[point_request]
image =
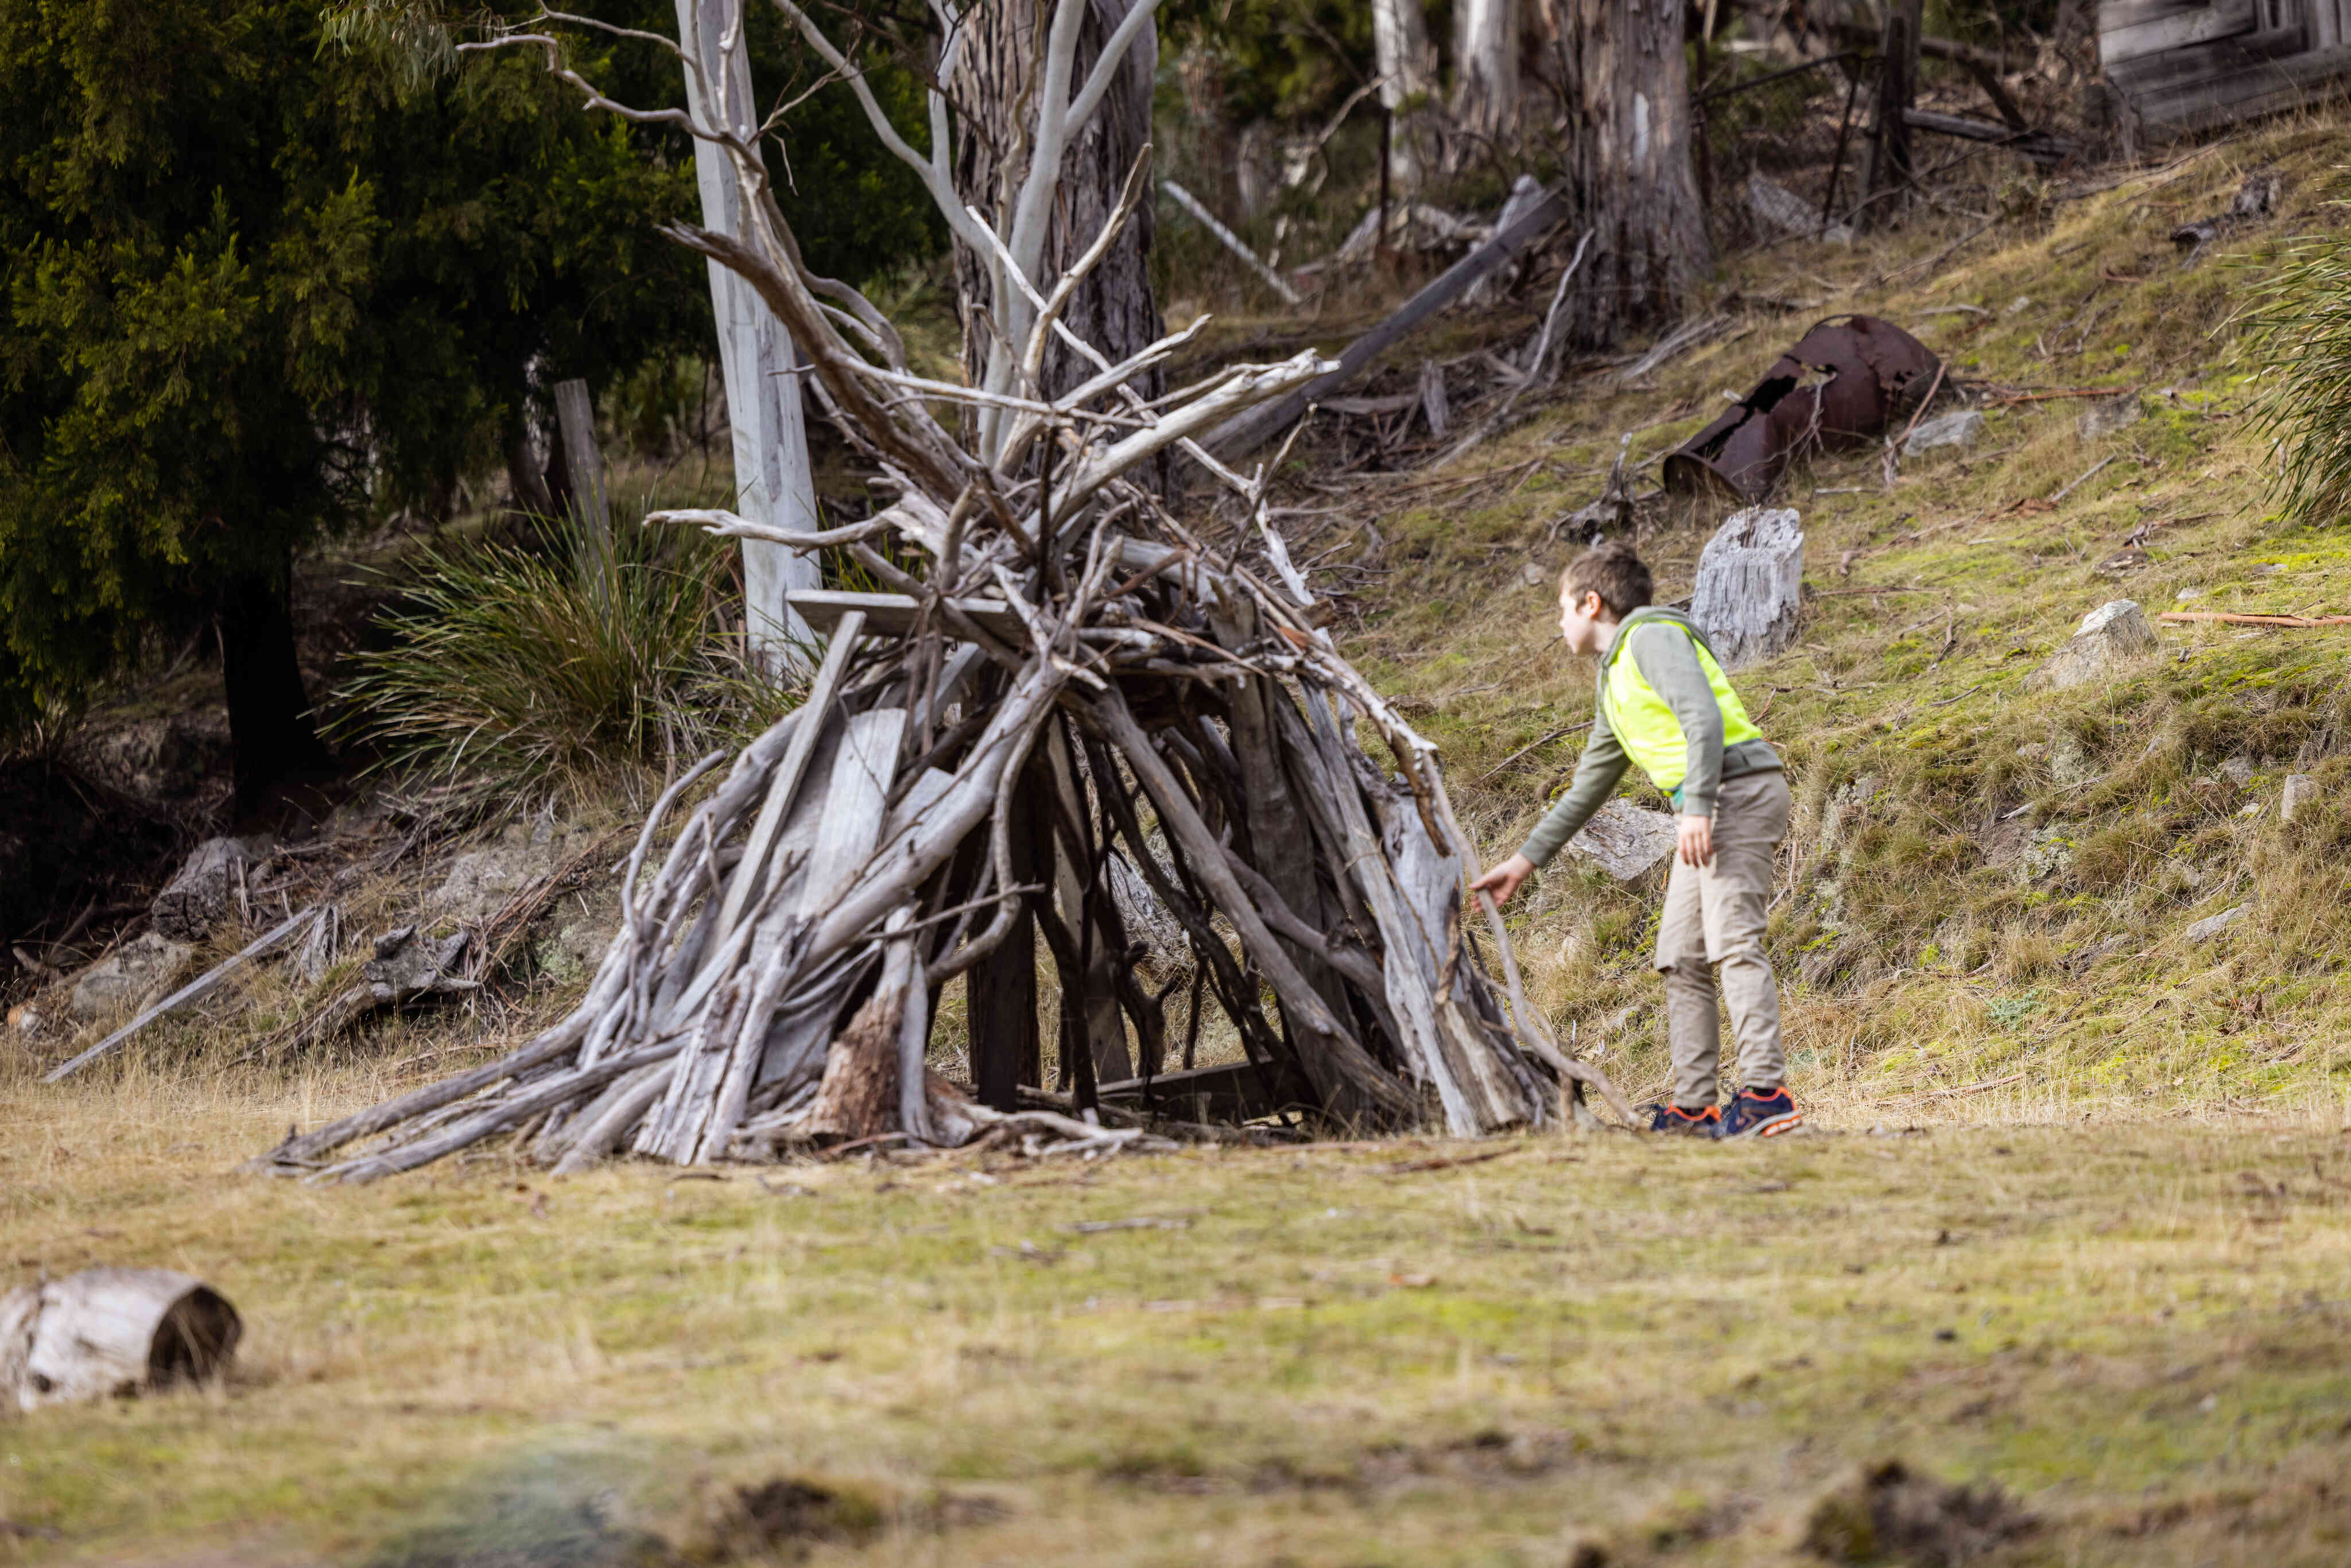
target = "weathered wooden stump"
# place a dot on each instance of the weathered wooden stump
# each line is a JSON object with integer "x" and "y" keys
{"x": 107, "y": 1332}
{"x": 1750, "y": 577}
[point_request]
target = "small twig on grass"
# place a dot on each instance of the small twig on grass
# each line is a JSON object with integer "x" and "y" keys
{"x": 2087, "y": 475}
{"x": 1952, "y": 1093}
{"x": 2046, "y": 394}
{"x": 1503, "y": 766}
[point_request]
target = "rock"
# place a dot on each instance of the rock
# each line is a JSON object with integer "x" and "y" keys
{"x": 1963, "y": 428}
{"x": 2110, "y": 637}
{"x": 2238, "y": 770}
{"x": 481, "y": 880}
{"x": 1783, "y": 210}
{"x": 2101, "y": 420}
{"x": 2211, "y": 925}
{"x": 406, "y": 966}
{"x": 135, "y": 973}
{"x": 2070, "y": 762}
{"x": 2048, "y": 852}
{"x": 2301, "y": 793}
{"x": 1625, "y": 840}
{"x": 1532, "y": 574}
{"x": 202, "y": 895}
{"x": 160, "y": 761}
{"x": 1750, "y": 579}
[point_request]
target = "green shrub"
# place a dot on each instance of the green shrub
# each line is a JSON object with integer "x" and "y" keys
{"x": 2302, "y": 331}
{"x": 507, "y": 668}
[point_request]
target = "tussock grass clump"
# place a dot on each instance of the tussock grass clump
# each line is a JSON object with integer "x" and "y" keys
{"x": 2301, "y": 329}
{"x": 509, "y": 669}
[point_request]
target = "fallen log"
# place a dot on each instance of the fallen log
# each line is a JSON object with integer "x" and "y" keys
{"x": 1244, "y": 433}
{"x": 107, "y": 1332}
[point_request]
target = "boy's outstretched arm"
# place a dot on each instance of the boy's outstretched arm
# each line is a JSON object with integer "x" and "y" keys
{"x": 1597, "y": 772}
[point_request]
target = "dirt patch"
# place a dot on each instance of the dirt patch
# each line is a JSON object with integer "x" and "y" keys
{"x": 1894, "y": 1512}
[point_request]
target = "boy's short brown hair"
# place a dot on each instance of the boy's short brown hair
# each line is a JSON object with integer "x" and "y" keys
{"x": 1611, "y": 570}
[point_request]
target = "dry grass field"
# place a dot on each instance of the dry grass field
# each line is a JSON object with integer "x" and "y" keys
{"x": 1409, "y": 1353}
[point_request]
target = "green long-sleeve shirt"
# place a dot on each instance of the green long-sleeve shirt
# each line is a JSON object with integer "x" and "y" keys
{"x": 1661, "y": 653}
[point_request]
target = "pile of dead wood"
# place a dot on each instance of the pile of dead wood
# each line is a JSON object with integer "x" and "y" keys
{"x": 1064, "y": 673}
{"x": 775, "y": 977}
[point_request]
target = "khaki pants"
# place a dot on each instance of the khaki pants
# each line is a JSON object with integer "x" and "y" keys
{"x": 1714, "y": 920}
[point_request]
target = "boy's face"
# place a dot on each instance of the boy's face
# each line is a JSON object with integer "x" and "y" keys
{"x": 1579, "y": 620}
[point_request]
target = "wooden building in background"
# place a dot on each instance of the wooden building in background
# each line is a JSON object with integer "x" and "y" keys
{"x": 2182, "y": 66}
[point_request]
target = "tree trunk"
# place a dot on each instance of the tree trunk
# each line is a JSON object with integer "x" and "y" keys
{"x": 773, "y": 482}
{"x": 1630, "y": 179}
{"x": 269, "y": 727}
{"x": 1486, "y": 70}
{"x": 1407, "y": 69}
{"x": 1114, "y": 308}
{"x": 1005, "y": 1047}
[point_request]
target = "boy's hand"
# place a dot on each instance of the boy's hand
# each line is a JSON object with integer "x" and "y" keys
{"x": 1698, "y": 840}
{"x": 1504, "y": 879}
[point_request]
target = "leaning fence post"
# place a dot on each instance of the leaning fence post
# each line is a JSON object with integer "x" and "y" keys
{"x": 1889, "y": 166}
{"x": 575, "y": 415}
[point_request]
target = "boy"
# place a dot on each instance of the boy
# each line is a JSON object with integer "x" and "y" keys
{"x": 1662, "y": 701}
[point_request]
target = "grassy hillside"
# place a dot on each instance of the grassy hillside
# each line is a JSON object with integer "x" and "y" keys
{"x": 1981, "y": 882}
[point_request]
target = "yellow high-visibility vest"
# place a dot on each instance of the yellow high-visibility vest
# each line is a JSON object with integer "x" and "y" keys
{"x": 1646, "y": 728}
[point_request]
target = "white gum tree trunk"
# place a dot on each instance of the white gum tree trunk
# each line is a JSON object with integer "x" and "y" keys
{"x": 1486, "y": 81}
{"x": 773, "y": 484}
{"x": 1407, "y": 71}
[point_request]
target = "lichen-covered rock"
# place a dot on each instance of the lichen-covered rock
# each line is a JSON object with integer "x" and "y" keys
{"x": 2110, "y": 638}
{"x": 2301, "y": 793}
{"x": 137, "y": 973}
{"x": 2212, "y": 925}
{"x": 1962, "y": 428}
{"x": 1625, "y": 840}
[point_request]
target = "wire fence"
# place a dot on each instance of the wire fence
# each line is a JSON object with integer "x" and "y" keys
{"x": 1783, "y": 154}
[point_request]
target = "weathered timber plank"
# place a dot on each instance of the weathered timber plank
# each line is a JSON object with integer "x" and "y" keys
{"x": 1229, "y": 1091}
{"x": 2177, "y": 30}
{"x": 2224, "y": 95}
{"x": 893, "y": 614}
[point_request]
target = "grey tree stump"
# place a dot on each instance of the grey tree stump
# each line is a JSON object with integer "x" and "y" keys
{"x": 107, "y": 1332}
{"x": 1750, "y": 577}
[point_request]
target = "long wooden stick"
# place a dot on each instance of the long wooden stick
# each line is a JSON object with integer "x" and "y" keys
{"x": 1239, "y": 436}
{"x": 188, "y": 993}
{"x": 2235, "y": 617}
{"x": 750, "y": 875}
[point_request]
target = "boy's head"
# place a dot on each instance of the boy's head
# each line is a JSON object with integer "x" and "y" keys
{"x": 1600, "y": 588}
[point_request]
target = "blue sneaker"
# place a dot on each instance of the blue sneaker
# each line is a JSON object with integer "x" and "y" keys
{"x": 1754, "y": 1114}
{"x": 1664, "y": 1116}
